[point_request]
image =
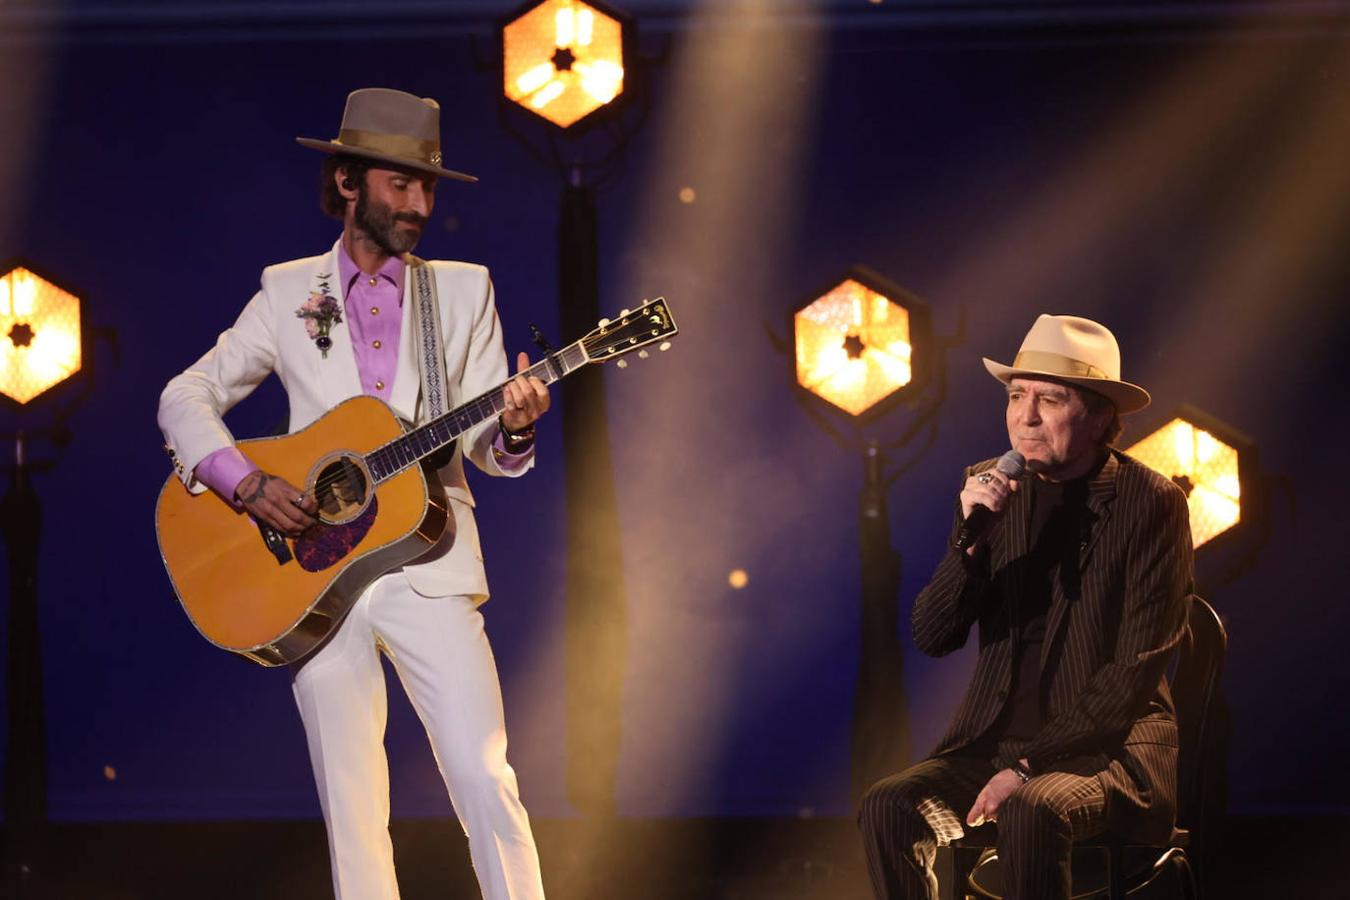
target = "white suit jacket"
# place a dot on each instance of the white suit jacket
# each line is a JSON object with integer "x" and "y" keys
{"x": 269, "y": 337}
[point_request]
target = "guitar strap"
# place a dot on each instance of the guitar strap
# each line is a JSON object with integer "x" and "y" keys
{"x": 430, "y": 346}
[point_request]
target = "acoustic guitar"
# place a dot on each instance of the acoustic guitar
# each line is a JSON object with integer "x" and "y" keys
{"x": 253, "y": 591}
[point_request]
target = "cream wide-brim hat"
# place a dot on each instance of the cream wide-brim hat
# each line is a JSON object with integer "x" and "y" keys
{"x": 1074, "y": 350}
{"x": 390, "y": 126}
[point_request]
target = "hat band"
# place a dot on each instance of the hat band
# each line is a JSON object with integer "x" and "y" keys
{"x": 1056, "y": 364}
{"x": 396, "y": 145}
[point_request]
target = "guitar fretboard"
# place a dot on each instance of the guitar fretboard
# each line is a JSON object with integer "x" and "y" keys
{"x": 421, "y": 442}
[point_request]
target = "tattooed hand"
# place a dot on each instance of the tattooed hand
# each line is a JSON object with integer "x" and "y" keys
{"x": 275, "y": 501}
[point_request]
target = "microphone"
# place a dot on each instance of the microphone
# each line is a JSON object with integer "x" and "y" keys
{"x": 1012, "y": 464}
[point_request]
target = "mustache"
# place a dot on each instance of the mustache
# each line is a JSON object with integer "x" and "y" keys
{"x": 411, "y": 218}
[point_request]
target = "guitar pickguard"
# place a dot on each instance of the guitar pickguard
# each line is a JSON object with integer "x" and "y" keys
{"x": 324, "y": 546}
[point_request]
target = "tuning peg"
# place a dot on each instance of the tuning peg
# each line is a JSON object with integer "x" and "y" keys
{"x": 643, "y": 354}
{"x": 665, "y": 345}
{"x": 604, "y": 323}
{"x": 622, "y": 364}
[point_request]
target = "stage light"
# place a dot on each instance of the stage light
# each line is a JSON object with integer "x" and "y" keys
{"x": 738, "y": 578}
{"x": 39, "y": 334}
{"x": 1209, "y": 461}
{"x": 856, "y": 343}
{"x": 563, "y": 59}
{"x": 862, "y": 345}
{"x": 40, "y": 347}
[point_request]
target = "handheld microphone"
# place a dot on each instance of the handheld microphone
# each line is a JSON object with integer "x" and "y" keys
{"x": 1012, "y": 464}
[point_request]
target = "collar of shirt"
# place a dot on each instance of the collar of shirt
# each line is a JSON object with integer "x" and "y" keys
{"x": 392, "y": 271}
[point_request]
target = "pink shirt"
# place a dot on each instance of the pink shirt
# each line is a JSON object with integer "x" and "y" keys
{"x": 372, "y": 309}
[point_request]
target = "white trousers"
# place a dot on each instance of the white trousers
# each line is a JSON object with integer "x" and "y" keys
{"x": 441, "y": 653}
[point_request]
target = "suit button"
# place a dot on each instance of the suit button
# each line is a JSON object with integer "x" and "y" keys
{"x": 375, "y": 344}
{"x": 374, "y": 310}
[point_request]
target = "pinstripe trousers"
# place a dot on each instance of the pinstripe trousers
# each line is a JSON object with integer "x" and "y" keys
{"x": 904, "y": 819}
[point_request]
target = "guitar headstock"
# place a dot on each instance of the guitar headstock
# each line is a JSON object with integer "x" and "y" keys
{"x": 649, "y": 324}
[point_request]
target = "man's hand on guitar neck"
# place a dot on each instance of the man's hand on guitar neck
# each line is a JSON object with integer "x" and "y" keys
{"x": 276, "y": 502}
{"x": 526, "y": 398}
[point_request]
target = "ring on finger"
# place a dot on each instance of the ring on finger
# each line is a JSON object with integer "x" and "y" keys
{"x": 984, "y": 477}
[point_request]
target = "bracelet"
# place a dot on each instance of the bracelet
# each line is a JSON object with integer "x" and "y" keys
{"x": 1021, "y": 770}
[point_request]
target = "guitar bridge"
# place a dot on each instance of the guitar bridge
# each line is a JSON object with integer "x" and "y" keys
{"x": 276, "y": 543}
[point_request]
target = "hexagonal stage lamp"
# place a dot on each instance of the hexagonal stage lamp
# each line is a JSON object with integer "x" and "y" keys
{"x": 859, "y": 345}
{"x": 40, "y": 344}
{"x": 564, "y": 59}
{"x": 1210, "y": 461}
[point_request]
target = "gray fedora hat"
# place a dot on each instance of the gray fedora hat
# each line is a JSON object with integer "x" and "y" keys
{"x": 1077, "y": 350}
{"x": 390, "y": 126}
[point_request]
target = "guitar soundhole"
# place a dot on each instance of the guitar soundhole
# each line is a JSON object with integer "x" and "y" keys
{"x": 341, "y": 490}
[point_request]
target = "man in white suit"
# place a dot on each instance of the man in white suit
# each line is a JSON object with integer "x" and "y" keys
{"x": 332, "y": 327}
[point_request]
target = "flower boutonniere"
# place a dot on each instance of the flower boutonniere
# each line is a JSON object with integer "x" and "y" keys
{"x": 320, "y": 312}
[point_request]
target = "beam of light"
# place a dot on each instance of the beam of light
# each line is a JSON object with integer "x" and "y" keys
{"x": 1163, "y": 140}
{"x": 1265, "y": 262}
{"x": 734, "y": 79}
{"x": 26, "y": 98}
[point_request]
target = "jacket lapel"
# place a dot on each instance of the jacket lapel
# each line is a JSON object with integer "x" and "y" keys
{"x": 1101, "y": 491}
{"x": 1017, "y": 523}
{"x": 338, "y": 372}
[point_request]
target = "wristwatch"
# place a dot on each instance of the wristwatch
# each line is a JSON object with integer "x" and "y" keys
{"x": 1021, "y": 770}
{"x": 516, "y": 441}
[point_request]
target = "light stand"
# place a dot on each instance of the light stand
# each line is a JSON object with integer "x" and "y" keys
{"x": 917, "y": 361}
{"x": 567, "y": 71}
{"x": 42, "y": 373}
{"x": 26, "y": 767}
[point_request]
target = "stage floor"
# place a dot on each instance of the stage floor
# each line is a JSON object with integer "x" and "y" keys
{"x": 688, "y": 859}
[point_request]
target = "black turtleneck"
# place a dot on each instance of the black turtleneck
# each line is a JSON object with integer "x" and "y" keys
{"x": 1058, "y": 513}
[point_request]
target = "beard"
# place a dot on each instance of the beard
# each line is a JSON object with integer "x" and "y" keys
{"x": 380, "y": 224}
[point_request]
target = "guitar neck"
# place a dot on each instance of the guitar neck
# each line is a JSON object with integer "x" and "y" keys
{"x": 423, "y": 441}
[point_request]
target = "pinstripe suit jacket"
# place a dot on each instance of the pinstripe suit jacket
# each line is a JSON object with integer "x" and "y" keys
{"x": 1111, "y": 629}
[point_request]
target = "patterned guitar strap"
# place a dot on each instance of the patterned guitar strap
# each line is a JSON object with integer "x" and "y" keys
{"x": 430, "y": 347}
